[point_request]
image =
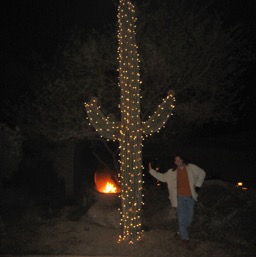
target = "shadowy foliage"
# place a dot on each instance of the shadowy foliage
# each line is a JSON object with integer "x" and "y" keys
{"x": 225, "y": 213}
{"x": 182, "y": 46}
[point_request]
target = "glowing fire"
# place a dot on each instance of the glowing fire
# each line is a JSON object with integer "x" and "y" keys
{"x": 104, "y": 183}
{"x": 110, "y": 188}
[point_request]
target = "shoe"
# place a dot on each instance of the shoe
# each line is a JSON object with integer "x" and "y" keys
{"x": 187, "y": 244}
{"x": 177, "y": 237}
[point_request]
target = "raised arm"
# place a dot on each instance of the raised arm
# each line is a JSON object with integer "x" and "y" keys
{"x": 159, "y": 176}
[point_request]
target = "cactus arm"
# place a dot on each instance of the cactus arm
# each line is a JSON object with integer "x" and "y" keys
{"x": 106, "y": 126}
{"x": 160, "y": 116}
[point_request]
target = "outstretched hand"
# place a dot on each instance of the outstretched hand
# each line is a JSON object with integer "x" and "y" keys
{"x": 149, "y": 166}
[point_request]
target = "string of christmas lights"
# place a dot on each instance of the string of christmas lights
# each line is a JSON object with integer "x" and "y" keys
{"x": 160, "y": 116}
{"x": 106, "y": 126}
{"x": 131, "y": 129}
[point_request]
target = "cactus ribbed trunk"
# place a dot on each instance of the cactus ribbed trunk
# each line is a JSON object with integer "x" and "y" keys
{"x": 131, "y": 130}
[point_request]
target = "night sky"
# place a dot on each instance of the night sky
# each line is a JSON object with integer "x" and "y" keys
{"x": 39, "y": 28}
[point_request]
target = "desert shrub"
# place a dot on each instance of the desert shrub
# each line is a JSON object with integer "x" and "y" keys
{"x": 225, "y": 213}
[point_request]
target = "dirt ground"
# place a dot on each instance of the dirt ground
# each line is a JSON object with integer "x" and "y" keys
{"x": 62, "y": 236}
{"x": 26, "y": 232}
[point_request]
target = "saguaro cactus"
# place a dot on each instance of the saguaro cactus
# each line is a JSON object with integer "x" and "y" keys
{"x": 131, "y": 130}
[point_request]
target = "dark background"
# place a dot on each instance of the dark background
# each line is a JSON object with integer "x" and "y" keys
{"x": 40, "y": 28}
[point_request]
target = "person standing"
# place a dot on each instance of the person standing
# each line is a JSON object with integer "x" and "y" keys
{"x": 184, "y": 182}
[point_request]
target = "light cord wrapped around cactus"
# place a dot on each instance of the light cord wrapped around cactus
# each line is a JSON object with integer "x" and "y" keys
{"x": 131, "y": 130}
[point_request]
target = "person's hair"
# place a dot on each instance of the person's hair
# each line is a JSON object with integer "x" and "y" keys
{"x": 185, "y": 160}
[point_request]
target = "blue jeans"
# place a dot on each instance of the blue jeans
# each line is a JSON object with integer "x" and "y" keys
{"x": 185, "y": 211}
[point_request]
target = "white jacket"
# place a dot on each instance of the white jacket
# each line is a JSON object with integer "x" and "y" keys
{"x": 196, "y": 178}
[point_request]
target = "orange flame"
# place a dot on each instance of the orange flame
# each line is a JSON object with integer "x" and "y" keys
{"x": 104, "y": 183}
{"x": 110, "y": 188}
{"x": 107, "y": 188}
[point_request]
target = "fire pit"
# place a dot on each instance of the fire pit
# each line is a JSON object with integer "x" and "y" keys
{"x": 106, "y": 182}
{"x": 105, "y": 211}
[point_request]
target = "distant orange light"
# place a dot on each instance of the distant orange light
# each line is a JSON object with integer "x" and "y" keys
{"x": 244, "y": 188}
{"x": 240, "y": 184}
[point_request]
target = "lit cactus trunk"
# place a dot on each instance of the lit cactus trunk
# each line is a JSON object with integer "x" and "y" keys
{"x": 130, "y": 131}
